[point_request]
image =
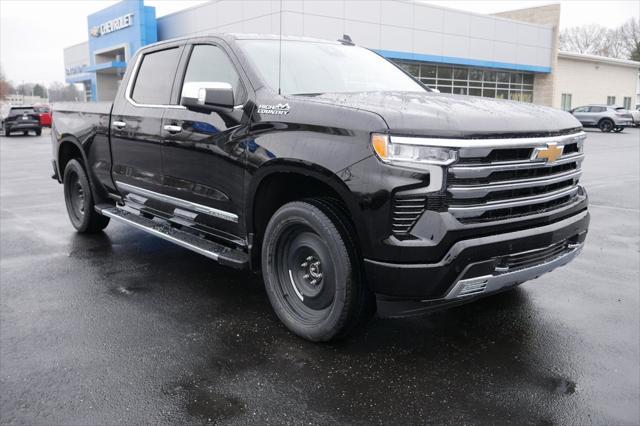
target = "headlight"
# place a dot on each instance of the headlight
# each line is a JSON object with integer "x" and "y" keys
{"x": 411, "y": 153}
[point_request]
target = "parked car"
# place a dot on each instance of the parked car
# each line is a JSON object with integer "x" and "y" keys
{"x": 604, "y": 117}
{"x": 635, "y": 114}
{"x": 349, "y": 194}
{"x": 21, "y": 119}
{"x": 44, "y": 112}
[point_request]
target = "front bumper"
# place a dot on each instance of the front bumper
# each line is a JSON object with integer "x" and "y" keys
{"x": 476, "y": 267}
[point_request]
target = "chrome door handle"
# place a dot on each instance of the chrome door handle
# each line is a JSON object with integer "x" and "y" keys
{"x": 171, "y": 128}
{"x": 119, "y": 124}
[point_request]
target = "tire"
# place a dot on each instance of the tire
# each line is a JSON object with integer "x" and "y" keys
{"x": 605, "y": 125}
{"x": 312, "y": 271}
{"x": 79, "y": 200}
{"x": 7, "y": 132}
{"x": 25, "y": 132}
{"x": 618, "y": 129}
{"x": 38, "y": 132}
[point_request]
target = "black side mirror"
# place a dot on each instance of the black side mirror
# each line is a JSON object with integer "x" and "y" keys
{"x": 207, "y": 97}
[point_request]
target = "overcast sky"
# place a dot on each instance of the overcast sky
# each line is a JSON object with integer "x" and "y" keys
{"x": 34, "y": 32}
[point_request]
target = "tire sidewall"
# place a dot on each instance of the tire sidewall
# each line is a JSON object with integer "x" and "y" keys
{"x": 74, "y": 167}
{"x": 314, "y": 218}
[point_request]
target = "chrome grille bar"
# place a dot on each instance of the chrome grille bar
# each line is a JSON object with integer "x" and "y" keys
{"x": 479, "y": 191}
{"x": 477, "y": 210}
{"x": 480, "y": 171}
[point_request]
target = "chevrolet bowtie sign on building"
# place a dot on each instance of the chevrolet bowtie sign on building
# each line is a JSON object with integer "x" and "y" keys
{"x": 112, "y": 25}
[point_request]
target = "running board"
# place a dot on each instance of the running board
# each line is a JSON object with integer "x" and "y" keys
{"x": 224, "y": 255}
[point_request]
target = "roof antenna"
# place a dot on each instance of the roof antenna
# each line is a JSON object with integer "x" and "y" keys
{"x": 346, "y": 40}
{"x": 280, "y": 55}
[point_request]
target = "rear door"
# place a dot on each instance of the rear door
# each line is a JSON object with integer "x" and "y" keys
{"x": 136, "y": 140}
{"x": 594, "y": 115}
{"x": 204, "y": 153}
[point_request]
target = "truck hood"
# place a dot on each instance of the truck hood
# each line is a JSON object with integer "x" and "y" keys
{"x": 436, "y": 114}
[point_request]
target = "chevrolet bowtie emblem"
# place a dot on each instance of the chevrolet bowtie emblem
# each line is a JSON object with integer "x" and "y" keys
{"x": 550, "y": 154}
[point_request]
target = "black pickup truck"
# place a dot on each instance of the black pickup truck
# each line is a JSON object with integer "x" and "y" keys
{"x": 349, "y": 185}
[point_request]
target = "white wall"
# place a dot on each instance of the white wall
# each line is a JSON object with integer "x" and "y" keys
{"x": 394, "y": 25}
{"x": 591, "y": 82}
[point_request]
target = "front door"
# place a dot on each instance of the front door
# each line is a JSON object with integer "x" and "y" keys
{"x": 203, "y": 153}
{"x": 136, "y": 140}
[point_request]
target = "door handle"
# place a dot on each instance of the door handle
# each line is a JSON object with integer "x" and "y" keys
{"x": 119, "y": 124}
{"x": 172, "y": 128}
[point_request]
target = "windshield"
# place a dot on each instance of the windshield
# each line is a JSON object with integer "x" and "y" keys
{"x": 312, "y": 68}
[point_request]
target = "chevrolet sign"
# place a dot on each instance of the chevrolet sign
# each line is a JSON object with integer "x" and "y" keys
{"x": 116, "y": 24}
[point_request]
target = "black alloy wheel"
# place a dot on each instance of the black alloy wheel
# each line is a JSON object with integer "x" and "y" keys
{"x": 312, "y": 271}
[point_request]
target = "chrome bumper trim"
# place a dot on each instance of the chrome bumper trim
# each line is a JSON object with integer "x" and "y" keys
{"x": 489, "y": 283}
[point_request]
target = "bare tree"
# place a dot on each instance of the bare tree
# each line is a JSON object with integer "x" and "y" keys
{"x": 631, "y": 33}
{"x": 5, "y": 86}
{"x": 621, "y": 42}
{"x": 584, "y": 39}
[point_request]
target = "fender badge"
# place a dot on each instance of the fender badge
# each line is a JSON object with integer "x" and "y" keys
{"x": 280, "y": 109}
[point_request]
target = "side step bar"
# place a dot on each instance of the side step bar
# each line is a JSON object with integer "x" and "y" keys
{"x": 224, "y": 255}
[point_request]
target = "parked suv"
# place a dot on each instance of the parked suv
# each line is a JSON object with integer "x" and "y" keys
{"x": 22, "y": 119}
{"x": 604, "y": 117}
{"x": 341, "y": 179}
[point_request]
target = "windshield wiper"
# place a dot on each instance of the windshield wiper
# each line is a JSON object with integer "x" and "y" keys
{"x": 307, "y": 94}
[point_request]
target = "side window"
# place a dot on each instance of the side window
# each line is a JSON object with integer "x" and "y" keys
{"x": 210, "y": 64}
{"x": 597, "y": 109}
{"x": 581, "y": 109}
{"x": 155, "y": 77}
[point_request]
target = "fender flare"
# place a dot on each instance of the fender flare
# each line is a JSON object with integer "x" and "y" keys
{"x": 311, "y": 170}
{"x": 68, "y": 138}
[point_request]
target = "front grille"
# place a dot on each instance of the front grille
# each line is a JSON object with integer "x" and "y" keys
{"x": 489, "y": 183}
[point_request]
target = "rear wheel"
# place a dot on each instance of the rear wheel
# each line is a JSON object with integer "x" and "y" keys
{"x": 79, "y": 201}
{"x": 7, "y": 132}
{"x": 25, "y": 132}
{"x": 605, "y": 125}
{"x": 312, "y": 272}
{"x": 38, "y": 132}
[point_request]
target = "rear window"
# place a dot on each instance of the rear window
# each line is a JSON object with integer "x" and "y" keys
{"x": 19, "y": 111}
{"x": 155, "y": 77}
{"x": 41, "y": 109}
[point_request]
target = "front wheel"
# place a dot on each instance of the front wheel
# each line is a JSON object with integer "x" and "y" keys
{"x": 312, "y": 271}
{"x": 618, "y": 129}
{"x": 79, "y": 201}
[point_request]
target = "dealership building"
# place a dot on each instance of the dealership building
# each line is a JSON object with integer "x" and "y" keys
{"x": 511, "y": 55}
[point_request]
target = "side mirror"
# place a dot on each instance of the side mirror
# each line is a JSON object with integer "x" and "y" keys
{"x": 207, "y": 97}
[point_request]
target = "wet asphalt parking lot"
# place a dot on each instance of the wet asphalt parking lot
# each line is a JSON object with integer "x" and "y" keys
{"x": 125, "y": 328}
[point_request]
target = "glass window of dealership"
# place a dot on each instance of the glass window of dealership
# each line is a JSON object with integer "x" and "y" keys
{"x": 489, "y": 83}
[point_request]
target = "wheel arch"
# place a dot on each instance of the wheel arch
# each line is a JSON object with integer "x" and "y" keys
{"x": 70, "y": 148}
{"x": 267, "y": 192}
